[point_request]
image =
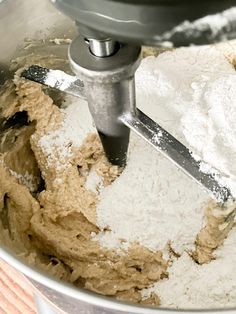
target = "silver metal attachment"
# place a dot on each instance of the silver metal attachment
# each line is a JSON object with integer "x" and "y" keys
{"x": 58, "y": 79}
{"x": 102, "y": 48}
{"x": 109, "y": 89}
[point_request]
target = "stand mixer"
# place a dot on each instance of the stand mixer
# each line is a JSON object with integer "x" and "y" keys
{"x": 105, "y": 65}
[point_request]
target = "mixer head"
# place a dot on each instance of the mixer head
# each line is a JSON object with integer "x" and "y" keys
{"x": 150, "y": 22}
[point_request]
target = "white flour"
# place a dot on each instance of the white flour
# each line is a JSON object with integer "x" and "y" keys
{"x": 191, "y": 93}
{"x": 58, "y": 145}
{"x": 215, "y": 26}
{"x": 212, "y": 126}
{"x": 152, "y": 201}
{"x": 27, "y": 179}
{"x": 94, "y": 182}
{"x": 59, "y": 78}
{"x": 201, "y": 287}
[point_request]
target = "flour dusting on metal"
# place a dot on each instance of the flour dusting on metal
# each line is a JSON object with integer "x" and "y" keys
{"x": 216, "y": 27}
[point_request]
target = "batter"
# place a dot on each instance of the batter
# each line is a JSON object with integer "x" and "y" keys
{"x": 52, "y": 227}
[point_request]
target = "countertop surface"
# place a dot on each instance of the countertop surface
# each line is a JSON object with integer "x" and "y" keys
{"x": 16, "y": 294}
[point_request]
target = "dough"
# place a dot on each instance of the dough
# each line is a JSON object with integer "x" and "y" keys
{"x": 51, "y": 223}
{"x": 220, "y": 220}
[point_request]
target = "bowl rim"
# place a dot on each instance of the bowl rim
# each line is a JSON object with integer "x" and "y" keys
{"x": 87, "y": 296}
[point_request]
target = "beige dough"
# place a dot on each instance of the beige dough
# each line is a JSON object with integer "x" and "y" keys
{"x": 220, "y": 220}
{"x": 51, "y": 228}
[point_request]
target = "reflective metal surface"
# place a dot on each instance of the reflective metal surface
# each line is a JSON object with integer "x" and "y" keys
{"x": 109, "y": 89}
{"x": 57, "y": 79}
{"x": 150, "y": 22}
{"x": 102, "y": 48}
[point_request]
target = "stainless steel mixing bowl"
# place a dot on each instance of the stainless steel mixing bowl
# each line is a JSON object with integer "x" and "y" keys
{"x": 38, "y": 19}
